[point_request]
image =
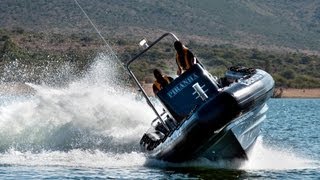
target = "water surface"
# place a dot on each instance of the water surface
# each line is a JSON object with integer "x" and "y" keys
{"x": 91, "y": 129}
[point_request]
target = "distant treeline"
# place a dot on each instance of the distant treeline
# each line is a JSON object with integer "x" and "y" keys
{"x": 39, "y": 57}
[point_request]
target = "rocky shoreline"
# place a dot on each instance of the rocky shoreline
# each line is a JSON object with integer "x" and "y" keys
{"x": 297, "y": 93}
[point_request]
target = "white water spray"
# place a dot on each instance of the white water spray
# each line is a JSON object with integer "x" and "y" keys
{"x": 271, "y": 158}
{"x": 95, "y": 112}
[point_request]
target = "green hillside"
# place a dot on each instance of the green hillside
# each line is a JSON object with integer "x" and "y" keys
{"x": 260, "y": 23}
{"x": 40, "y": 57}
{"x": 282, "y": 37}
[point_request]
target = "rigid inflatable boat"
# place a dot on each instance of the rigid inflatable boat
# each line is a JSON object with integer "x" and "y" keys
{"x": 205, "y": 116}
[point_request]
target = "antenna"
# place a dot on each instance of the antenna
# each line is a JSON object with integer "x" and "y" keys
{"x": 113, "y": 54}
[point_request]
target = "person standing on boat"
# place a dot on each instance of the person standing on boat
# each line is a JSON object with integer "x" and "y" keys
{"x": 184, "y": 57}
{"x": 161, "y": 81}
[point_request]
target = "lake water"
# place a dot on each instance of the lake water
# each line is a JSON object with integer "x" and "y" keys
{"x": 91, "y": 129}
{"x": 38, "y": 141}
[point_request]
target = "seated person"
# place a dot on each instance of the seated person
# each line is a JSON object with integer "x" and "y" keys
{"x": 184, "y": 57}
{"x": 161, "y": 81}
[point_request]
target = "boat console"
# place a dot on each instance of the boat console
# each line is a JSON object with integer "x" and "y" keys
{"x": 180, "y": 97}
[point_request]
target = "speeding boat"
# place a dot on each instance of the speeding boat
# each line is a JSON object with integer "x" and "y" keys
{"x": 204, "y": 116}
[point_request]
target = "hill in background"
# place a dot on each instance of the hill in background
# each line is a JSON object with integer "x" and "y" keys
{"x": 40, "y": 38}
{"x": 265, "y": 24}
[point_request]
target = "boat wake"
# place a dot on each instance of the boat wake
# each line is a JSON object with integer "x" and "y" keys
{"x": 263, "y": 157}
{"x": 269, "y": 157}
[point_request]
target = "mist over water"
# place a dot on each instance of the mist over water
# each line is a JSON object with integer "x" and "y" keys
{"x": 97, "y": 121}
